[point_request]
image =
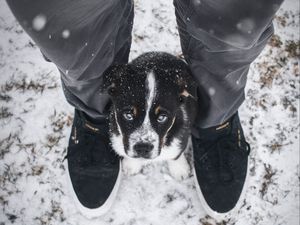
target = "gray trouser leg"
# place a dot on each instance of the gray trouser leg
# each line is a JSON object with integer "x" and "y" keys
{"x": 82, "y": 38}
{"x": 219, "y": 41}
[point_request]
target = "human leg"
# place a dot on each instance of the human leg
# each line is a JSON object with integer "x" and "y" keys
{"x": 83, "y": 38}
{"x": 219, "y": 41}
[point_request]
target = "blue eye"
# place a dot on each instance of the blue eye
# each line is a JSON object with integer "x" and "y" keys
{"x": 162, "y": 118}
{"x": 128, "y": 116}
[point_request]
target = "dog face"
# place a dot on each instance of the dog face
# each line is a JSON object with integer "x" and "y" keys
{"x": 153, "y": 106}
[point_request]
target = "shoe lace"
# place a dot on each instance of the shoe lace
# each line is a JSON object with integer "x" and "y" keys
{"x": 224, "y": 147}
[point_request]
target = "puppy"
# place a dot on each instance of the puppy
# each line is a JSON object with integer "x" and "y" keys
{"x": 154, "y": 104}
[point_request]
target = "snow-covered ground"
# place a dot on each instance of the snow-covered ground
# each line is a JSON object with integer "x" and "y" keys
{"x": 35, "y": 122}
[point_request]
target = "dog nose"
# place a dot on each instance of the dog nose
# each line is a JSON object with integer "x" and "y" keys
{"x": 143, "y": 149}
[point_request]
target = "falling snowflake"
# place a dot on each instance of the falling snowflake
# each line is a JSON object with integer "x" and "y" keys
{"x": 197, "y": 2}
{"x": 39, "y": 22}
{"x": 66, "y": 34}
{"x": 246, "y": 25}
{"x": 211, "y": 91}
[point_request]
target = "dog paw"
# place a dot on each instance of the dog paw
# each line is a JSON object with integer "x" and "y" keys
{"x": 131, "y": 166}
{"x": 179, "y": 169}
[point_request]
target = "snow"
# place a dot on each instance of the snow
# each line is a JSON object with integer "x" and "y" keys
{"x": 211, "y": 91}
{"x": 197, "y": 2}
{"x": 246, "y": 25}
{"x": 39, "y": 22}
{"x": 35, "y": 122}
{"x": 65, "y": 34}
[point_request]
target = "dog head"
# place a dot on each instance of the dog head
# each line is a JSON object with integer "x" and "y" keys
{"x": 153, "y": 106}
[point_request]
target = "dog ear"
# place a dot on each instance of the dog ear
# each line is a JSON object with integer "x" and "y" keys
{"x": 187, "y": 86}
{"x": 111, "y": 79}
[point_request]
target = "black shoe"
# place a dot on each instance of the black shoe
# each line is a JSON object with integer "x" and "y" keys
{"x": 221, "y": 167}
{"x": 93, "y": 167}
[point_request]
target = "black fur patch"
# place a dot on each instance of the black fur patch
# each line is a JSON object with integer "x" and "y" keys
{"x": 176, "y": 90}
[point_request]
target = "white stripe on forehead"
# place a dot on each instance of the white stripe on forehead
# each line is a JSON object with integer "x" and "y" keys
{"x": 151, "y": 88}
{"x": 145, "y": 133}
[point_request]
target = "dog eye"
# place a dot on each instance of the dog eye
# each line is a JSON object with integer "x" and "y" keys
{"x": 128, "y": 116}
{"x": 162, "y": 118}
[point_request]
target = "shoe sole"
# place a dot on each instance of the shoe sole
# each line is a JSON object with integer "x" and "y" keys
{"x": 214, "y": 214}
{"x": 96, "y": 212}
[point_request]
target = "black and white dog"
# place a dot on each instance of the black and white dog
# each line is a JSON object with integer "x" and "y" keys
{"x": 154, "y": 102}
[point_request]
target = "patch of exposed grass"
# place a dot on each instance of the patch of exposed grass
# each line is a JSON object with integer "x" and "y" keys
{"x": 5, "y": 98}
{"x": 6, "y": 143}
{"x": 293, "y": 48}
{"x": 59, "y": 121}
{"x": 275, "y": 41}
{"x": 55, "y": 213}
{"x": 267, "y": 179}
{"x": 5, "y": 113}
